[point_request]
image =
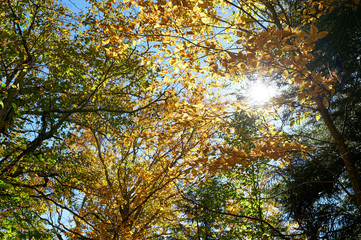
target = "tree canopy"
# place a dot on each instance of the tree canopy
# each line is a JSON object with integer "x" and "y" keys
{"x": 117, "y": 120}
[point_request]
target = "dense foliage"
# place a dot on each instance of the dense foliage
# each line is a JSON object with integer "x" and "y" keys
{"x": 317, "y": 191}
{"x": 116, "y": 121}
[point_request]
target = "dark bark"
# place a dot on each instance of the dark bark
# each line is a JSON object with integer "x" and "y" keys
{"x": 342, "y": 148}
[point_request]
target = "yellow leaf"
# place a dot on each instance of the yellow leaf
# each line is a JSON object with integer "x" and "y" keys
{"x": 333, "y": 90}
{"x": 318, "y": 116}
{"x": 285, "y": 74}
{"x": 232, "y": 72}
{"x": 282, "y": 165}
{"x": 232, "y": 55}
{"x": 106, "y": 41}
{"x": 321, "y": 34}
{"x": 313, "y": 30}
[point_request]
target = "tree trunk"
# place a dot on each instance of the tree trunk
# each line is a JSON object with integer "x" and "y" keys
{"x": 342, "y": 148}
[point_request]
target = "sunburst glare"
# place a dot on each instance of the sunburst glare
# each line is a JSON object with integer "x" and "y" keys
{"x": 259, "y": 93}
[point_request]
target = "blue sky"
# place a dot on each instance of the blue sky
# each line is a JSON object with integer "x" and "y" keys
{"x": 75, "y": 5}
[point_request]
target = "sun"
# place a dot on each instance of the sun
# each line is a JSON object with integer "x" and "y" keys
{"x": 259, "y": 93}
